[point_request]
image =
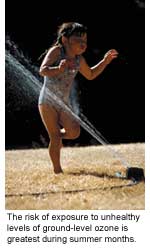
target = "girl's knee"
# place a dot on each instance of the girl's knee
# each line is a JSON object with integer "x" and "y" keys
{"x": 77, "y": 132}
{"x": 55, "y": 137}
{"x": 73, "y": 132}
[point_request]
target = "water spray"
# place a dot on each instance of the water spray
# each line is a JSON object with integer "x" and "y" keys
{"x": 133, "y": 173}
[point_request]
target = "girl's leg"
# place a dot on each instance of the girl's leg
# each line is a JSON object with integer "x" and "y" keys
{"x": 71, "y": 126}
{"x": 50, "y": 119}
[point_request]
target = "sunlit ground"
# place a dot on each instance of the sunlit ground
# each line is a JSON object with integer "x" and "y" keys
{"x": 88, "y": 182}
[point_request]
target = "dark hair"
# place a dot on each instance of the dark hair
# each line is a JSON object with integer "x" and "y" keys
{"x": 68, "y": 29}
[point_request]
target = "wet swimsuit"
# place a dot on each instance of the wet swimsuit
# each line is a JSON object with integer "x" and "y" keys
{"x": 60, "y": 85}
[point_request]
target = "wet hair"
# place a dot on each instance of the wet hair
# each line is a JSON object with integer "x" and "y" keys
{"x": 68, "y": 29}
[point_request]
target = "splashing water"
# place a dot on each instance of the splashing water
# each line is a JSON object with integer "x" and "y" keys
{"x": 32, "y": 86}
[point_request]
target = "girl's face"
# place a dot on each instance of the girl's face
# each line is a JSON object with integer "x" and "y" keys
{"x": 78, "y": 44}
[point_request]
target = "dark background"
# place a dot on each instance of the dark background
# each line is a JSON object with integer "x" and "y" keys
{"x": 115, "y": 101}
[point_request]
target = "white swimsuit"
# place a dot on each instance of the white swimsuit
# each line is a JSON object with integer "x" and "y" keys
{"x": 60, "y": 85}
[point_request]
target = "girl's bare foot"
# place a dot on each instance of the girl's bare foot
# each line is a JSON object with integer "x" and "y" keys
{"x": 58, "y": 170}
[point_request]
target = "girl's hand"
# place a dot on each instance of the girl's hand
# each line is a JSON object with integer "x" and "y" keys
{"x": 110, "y": 55}
{"x": 67, "y": 63}
{"x": 63, "y": 65}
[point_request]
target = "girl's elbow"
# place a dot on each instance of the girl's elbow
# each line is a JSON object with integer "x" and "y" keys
{"x": 41, "y": 72}
{"x": 90, "y": 77}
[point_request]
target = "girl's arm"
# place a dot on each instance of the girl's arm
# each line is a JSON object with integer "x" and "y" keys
{"x": 92, "y": 72}
{"x": 46, "y": 68}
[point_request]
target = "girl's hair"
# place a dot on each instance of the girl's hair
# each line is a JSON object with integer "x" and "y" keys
{"x": 67, "y": 29}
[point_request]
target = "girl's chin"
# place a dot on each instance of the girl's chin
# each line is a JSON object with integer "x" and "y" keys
{"x": 80, "y": 52}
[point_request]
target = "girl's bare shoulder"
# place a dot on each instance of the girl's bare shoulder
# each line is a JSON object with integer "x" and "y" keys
{"x": 52, "y": 55}
{"x": 54, "y": 51}
{"x": 82, "y": 61}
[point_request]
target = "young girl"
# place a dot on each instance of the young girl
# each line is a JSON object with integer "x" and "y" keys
{"x": 59, "y": 68}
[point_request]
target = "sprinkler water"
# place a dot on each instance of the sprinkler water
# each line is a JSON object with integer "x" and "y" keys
{"x": 33, "y": 86}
